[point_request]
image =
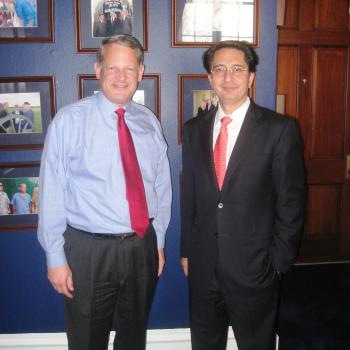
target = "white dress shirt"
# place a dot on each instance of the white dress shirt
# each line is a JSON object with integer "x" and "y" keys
{"x": 233, "y": 128}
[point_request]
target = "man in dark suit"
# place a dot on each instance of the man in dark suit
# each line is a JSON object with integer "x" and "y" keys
{"x": 242, "y": 207}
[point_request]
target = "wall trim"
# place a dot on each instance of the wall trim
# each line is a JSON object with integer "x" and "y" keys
{"x": 157, "y": 339}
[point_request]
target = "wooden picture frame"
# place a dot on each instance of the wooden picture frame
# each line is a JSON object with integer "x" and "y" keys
{"x": 194, "y": 23}
{"x": 13, "y": 29}
{"x": 130, "y": 19}
{"x": 88, "y": 84}
{"x": 27, "y": 106}
{"x": 12, "y": 175}
{"x": 195, "y": 90}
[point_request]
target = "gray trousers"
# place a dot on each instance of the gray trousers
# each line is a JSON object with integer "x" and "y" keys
{"x": 114, "y": 283}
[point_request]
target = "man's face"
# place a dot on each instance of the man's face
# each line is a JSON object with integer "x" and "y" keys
{"x": 230, "y": 87}
{"x": 1, "y": 188}
{"x": 26, "y": 107}
{"x": 22, "y": 188}
{"x": 119, "y": 73}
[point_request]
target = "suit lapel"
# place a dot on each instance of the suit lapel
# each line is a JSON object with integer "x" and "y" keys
{"x": 242, "y": 145}
{"x": 206, "y": 137}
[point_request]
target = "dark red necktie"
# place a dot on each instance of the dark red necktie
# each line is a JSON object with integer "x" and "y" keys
{"x": 135, "y": 191}
{"x": 220, "y": 151}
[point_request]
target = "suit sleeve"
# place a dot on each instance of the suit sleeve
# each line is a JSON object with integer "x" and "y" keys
{"x": 288, "y": 173}
{"x": 187, "y": 193}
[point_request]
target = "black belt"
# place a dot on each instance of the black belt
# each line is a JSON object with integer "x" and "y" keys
{"x": 120, "y": 236}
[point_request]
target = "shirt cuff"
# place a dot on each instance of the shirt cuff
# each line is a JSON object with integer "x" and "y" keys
{"x": 160, "y": 240}
{"x": 57, "y": 259}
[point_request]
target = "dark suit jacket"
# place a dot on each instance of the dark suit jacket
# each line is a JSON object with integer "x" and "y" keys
{"x": 258, "y": 216}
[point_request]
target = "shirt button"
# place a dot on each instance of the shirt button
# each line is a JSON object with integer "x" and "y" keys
{"x": 220, "y": 205}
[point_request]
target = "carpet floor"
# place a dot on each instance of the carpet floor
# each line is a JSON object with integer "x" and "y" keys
{"x": 315, "y": 308}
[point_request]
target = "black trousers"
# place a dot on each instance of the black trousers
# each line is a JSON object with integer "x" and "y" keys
{"x": 114, "y": 283}
{"x": 253, "y": 319}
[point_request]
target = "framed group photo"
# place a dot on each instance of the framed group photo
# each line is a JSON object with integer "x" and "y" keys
{"x": 19, "y": 196}
{"x": 147, "y": 93}
{"x": 196, "y": 98}
{"x": 27, "y": 105}
{"x": 200, "y": 23}
{"x": 26, "y": 21}
{"x": 97, "y": 19}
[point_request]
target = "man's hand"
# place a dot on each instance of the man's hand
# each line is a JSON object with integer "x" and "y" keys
{"x": 62, "y": 280}
{"x": 184, "y": 264}
{"x": 161, "y": 263}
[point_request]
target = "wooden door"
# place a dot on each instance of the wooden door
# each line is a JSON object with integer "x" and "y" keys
{"x": 313, "y": 66}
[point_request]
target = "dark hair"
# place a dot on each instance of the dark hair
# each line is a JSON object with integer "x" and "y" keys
{"x": 122, "y": 40}
{"x": 250, "y": 55}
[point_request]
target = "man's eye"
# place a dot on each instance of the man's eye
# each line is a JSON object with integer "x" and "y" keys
{"x": 220, "y": 69}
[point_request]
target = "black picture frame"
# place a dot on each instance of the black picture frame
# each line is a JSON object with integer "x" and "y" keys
{"x": 204, "y": 38}
{"x": 192, "y": 87}
{"x": 43, "y": 86}
{"x": 88, "y": 84}
{"x": 17, "y": 173}
{"x": 42, "y": 32}
{"x": 87, "y": 42}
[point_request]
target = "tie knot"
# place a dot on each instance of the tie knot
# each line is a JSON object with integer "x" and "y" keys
{"x": 225, "y": 121}
{"x": 120, "y": 112}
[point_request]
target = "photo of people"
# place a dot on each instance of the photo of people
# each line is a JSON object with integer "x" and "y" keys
{"x": 203, "y": 101}
{"x": 20, "y": 113}
{"x": 18, "y": 13}
{"x": 111, "y": 17}
{"x": 19, "y": 196}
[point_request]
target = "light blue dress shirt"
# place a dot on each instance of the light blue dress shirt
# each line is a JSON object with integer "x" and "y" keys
{"x": 21, "y": 202}
{"x": 81, "y": 176}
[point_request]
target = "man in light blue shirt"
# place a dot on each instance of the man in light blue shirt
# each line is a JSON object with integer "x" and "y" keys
{"x": 26, "y": 12}
{"x": 106, "y": 272}
{"x": 21, "y": 200}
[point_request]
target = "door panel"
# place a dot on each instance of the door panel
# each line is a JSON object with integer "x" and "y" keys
{"x": 313, "y": 73}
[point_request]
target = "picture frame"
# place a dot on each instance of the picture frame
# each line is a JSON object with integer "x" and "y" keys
{"x": 201, "y": 23}
{"x": 94, "y": 22}
{"x": 195, "y": 97}
{"x": 12, "y": 176}
{"x": 88, "y": 84}
{"x": 27, "y": 106}
{"x": 15, "y": 29}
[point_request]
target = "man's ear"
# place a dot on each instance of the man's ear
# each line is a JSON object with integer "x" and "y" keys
{"x": 141, "y": 71}
{"x": 210, "y": 79}
{"x": 251, "y": 79}
{"x": 97, "y": 70}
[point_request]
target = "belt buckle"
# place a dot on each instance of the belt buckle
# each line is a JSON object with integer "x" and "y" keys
{"x": 123, "y": 236}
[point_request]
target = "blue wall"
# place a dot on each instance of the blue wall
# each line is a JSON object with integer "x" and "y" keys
{"x": 27, "y": 301}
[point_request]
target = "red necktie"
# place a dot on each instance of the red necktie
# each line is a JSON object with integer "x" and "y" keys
{"x": 220, "y": 151}
{"x": 135, "y": 191}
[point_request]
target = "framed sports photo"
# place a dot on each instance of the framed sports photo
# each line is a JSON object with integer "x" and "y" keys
{"x": 97, "y": 19}
{"x": 27, "y": 105}
{"x": 147, "y": 93}
{"x": 19, "y": 196}
{"x": 199, "y": 23}
{"x": 26, "y": 21}
{"x": 196, "y": 98}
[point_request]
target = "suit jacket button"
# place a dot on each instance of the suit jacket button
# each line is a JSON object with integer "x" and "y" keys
{"x": 220, "y": 205}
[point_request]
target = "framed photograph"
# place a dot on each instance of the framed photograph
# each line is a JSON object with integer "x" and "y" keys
{"x": 147, "y": 93}
{"x": 26, "y": 21}
{"x": 19, "y": 196}
{"x": 27, "y": 105}
{"x": 196, "y": 98}
{"x": 97, "y": 19}
{"x": 199, "y": 23}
